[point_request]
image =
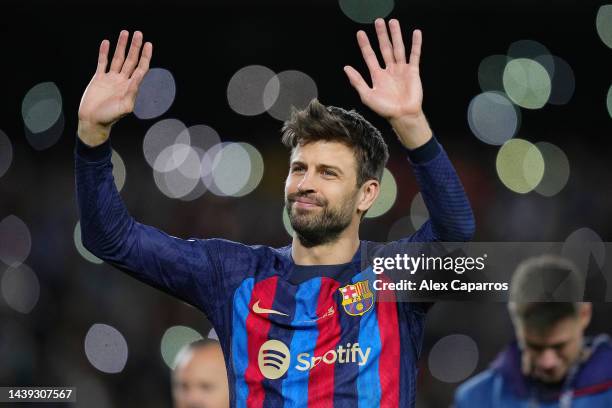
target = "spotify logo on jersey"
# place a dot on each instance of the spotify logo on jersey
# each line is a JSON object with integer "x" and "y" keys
{"x": 273, "y": 359}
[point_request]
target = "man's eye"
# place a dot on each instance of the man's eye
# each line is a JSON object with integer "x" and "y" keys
{"x": 297, "y": 169}
{"x": 329, "y": 173}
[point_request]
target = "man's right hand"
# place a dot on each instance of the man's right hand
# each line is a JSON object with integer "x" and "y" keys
{"x": 111, "y": 95}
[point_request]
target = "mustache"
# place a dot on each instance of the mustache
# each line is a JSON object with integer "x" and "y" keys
{"x": 294, "y": 196}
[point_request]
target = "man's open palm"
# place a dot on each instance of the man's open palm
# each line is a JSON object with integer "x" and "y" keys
{"x": 396, "y": 89}
{"x": 112, "y": 95}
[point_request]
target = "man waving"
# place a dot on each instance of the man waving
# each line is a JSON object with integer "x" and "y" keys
{"x": 301, "y": 325}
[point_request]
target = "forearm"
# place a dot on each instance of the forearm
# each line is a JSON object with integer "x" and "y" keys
{"x": 451, "y": 217}
{"x": 144, "y": 252}
{"x": 105, "y": 221}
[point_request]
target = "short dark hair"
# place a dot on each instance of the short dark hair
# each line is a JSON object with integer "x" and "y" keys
{"x": 545, "y": 290}
{"x": 330, "y": 123}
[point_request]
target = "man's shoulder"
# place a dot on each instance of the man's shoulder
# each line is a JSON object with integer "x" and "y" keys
{"x": 478, "y": 388}
{"x": 233, "y": 251}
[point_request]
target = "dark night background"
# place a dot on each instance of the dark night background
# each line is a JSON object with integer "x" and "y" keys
{"x": 203, "y": 44}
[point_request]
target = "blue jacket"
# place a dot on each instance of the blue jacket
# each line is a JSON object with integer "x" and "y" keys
{"x": 503, "y": 385}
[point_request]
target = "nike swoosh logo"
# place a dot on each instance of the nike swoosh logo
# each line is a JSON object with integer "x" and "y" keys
{"x": 261, "y": 310}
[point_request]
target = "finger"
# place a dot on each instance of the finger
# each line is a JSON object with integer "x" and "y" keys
{"x": 368, "y": 53}
{"x": 103, "y": 57}
{"x": 384, "y": 42}
{"x": 357, "y": 81}
{"x": 415, "y": 51}
{"x": 119, "y": 55}
{"x": 399, "y": 51}
{"x": 142, "y": 69}
{"x": 132, "y": 58}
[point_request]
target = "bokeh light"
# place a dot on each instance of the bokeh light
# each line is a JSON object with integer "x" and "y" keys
{"x": 200, "y": 188}
{"x": 245, "y": 91}
{"x": 160, "y": 136}
{"x": 156, "y": 94}
{"x": 288, "y": 89}
{"x": 520, "y": 165}
{"x": 106, "y": 348}
{"x": 231, "y": 169}
{"x": 453, "y": 358}
{"x": 609, "y": 101}
{"x": 532, "y": 50}
{"x": 208, "y": 163}
{"x": 563, "y": 82}
{"x": 287, "y": 222}
{"x": 200, "y": 136}
{"x": 527, "y": 83}
{"x": 418, "y": 211}
{"x": 15, "y": 241}
{"x": 41, "y": 107}
{"x": 78, "y": 243}
{"x": 491, "y": 72}
{"x": 366, "y": 11}
{"x": 212, "y": 334}
{"x": 47, "y": 138}
{"x": 603, "y": 23}
{"x": 174, "y": 339}
{"x": 493, "y": 118}
{"x": 556, "y": 169}
{"x": 386, "y": 197}
{"x": 6, "y": 153}
{"x": 119, "y": 172}
{"x": 257, "y": 170}
{"x": 177, "y": 170}
{"x": 20, "y": 288}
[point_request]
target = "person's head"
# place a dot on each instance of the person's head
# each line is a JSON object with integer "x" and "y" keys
{"x": 336, "y": 165}
{"x": 199, "y": 379}
{"x": 550, "y": 326}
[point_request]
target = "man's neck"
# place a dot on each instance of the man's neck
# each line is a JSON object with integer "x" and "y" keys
{"x": 340, "y": 251}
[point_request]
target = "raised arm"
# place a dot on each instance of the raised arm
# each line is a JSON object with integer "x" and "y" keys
{"x": 186, "y": 269}
{"x": 397, "y": 95}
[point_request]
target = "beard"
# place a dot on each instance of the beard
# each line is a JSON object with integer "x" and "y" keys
{"x": 318, "y": 227}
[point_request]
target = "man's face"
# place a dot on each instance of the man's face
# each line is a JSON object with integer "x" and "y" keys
{"x": 548, "y": 355}
{"x": 200, "y": 380}
{"x": 321, "y": 190}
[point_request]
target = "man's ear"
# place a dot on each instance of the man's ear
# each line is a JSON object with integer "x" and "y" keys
{"x": 367, "y": 195}
{"x": 585, "y": 312}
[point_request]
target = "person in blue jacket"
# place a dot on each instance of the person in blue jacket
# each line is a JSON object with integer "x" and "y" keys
{"x": 551, "y": 363}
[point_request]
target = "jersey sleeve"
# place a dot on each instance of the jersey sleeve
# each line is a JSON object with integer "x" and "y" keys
{"x": 450, "y": 214}
{"x": 189, "y": 269}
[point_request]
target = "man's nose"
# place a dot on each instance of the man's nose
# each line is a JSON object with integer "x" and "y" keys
{"x": 306, "y": 183}
{"x": 548, "y": 359}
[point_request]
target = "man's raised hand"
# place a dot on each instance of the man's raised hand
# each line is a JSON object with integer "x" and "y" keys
{"x": 396, "y": 92}
{"x": 111, "y": 95}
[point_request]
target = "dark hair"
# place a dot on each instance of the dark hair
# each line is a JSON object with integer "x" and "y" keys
{"x": 545, "y": 290}
{"x": 318, "y": 122}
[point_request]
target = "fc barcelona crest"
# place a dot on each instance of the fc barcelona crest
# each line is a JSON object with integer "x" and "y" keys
{"x": 357, "y": 298}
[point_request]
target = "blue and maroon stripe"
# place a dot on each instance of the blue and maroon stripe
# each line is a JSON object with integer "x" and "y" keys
{"x": 295, "y": 385}
{"x": 284, "y": 302}
{"x": 321, "y": 380}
